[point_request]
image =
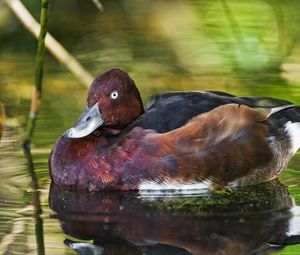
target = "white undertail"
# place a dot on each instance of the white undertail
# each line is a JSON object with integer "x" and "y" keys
{"x": 293, "y": 130}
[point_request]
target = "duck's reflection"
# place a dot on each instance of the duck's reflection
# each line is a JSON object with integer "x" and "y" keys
{"x": 247, "y": 221}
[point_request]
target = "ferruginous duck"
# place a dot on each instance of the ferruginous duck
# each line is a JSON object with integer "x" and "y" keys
{"x": 182, "y": 141}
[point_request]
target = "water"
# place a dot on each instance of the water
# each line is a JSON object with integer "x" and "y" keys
{"x": 244, "y": 48}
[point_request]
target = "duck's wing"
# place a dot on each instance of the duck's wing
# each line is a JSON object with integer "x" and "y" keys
{"x": 221, "y": 148}
{"x": 232, "y": 145}
{"x": 254, "y": 101}
{"x": 172, "y": 110}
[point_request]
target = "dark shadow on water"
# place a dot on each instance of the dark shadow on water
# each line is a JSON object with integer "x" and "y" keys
{"x": 253, "y": 220}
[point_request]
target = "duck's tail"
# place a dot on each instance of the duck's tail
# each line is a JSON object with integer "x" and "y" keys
{"x": 287, "y": 120}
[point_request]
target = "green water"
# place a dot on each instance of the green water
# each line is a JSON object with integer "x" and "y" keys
{"x": 241, "y": 47}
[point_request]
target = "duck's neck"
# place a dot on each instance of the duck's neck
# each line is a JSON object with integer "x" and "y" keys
{"x": 110, "y": 131}
{"x": 119, "y": 130}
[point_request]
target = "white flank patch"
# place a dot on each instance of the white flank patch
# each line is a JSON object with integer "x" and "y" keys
{"x": 171, "y": 187}
{"x": 293, "y": 130}
{"x": 294, "y": 223}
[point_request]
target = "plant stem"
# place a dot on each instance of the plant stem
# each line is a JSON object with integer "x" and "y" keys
{"x": 39, "y": 225}
{"x": 39, "y": 68}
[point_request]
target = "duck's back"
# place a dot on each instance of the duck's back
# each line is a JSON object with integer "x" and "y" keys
{"x": 172, "y": 110}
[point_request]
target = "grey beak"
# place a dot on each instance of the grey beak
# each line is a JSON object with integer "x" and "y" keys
{"x": 88, "y": 122}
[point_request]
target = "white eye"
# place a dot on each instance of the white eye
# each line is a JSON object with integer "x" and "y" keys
{"x": 114, "y": 94}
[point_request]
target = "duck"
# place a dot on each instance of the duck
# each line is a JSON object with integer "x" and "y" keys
{"x": 181, "y": 142}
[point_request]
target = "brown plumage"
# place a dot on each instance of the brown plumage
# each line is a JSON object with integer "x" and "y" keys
{"x": 223, "y": 145}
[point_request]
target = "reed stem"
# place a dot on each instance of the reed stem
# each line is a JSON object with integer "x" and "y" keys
{"x": 39, "y": 68}
{"x": 36, "y": 201}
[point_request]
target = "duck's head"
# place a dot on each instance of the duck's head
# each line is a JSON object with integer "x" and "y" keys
{"x": 113, "y": 102}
